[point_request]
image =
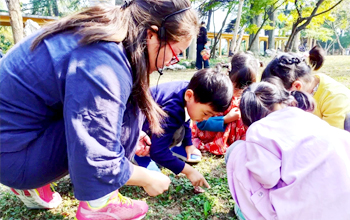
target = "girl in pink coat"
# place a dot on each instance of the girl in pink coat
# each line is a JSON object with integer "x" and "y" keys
{"x": 293, "y": 165}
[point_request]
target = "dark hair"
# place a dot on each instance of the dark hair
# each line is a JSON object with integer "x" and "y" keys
{"x": 212, "y": 87}
{"x": 290, "y": 67}
{"x": 244, "y": 69}
{"x": 302, "y": 101}
{"x": 259, "y": 100}
{"x": 129, "y": 25}
{"x": 275, "y": 81}
{"x": 316, "y": 57}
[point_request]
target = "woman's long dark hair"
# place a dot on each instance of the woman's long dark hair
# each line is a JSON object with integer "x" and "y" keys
{"x": 129, "y": 25}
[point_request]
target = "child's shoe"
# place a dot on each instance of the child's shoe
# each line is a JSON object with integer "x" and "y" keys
{"x": 117, "y": 207}
{"x": 40, "y": 198}
{"x": 146, "y": 162}
{"x": 180, "y": 152}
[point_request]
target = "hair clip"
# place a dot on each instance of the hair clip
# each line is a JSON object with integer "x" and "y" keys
{"x": 295, "y": 60}
{"x": 126, "y": 4}
{"x": 289, "y": 61}
{"x": 284, "y": 60}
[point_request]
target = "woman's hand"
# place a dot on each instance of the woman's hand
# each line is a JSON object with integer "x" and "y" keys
{"x": 143, "y": 146}
{"x": 158, "y": 183}
{"x": 153, "y": 182}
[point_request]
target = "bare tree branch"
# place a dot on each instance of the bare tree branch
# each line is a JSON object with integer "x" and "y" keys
{"x": 297, "y": 8}
{"x": 329, "y": 8}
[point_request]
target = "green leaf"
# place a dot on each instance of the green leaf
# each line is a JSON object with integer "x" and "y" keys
{"x": 207, "y": 208}
{"x": 178, "y": 188}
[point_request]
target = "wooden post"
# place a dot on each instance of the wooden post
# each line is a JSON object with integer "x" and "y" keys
{"x": 228, "y": 47}
{"x": 192, "y": 52}
{"x": 220, "y": 47}
{"x": 309, "y": 43}
{"x": 246, "y": 44}
{"x": 267, "y": 44}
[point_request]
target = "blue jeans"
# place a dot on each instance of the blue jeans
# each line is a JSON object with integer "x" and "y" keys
{"x": 230, "y": 149}
{"x": 199, "y": 60}
{"x": 42, "y": 162}
{"x": 347, "y": 122}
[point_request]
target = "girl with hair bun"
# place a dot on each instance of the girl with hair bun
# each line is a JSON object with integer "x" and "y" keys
{"x": 292, "y": 165}
{"x": 332, "y": 98}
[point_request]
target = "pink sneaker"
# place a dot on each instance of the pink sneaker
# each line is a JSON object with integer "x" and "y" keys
{"x": 117, "y": 207}
{"x": 40, "y": 198}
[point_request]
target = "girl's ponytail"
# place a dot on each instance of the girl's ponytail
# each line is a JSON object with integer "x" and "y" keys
{"x": 303, "y": 101}
{"x": 260, "y": 99}
{"x": 316, "y": 57}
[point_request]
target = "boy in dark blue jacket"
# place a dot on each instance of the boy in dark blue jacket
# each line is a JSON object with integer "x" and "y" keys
{"x": 208, "y": 93}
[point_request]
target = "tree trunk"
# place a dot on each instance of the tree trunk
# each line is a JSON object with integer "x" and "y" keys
{"x": 192, "y": 50}
{"x": 238, "y": 22}
{"x": 296, "y": 42}
{"x": 15, "y": 19}
{"x": 341, "y": 48}
{"x": 49, "y": 8}
{"x": 271, "y": 40}
{"x": 238, "y": 46}
{"x": 291, "y": 37}
{"x": 306, "y": 21}
{"x": 55, "y": 8}
{"x": 209, "y": 18}
{"x": 329, "y": 46}
{"x": 254, "y": 41}
{"x": 217, "y": 37}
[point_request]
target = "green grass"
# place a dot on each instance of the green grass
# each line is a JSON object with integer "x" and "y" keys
{"x": 179, "y": 202}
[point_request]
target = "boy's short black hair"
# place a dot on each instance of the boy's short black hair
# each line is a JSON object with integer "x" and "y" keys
{"x": 212, "y": 87}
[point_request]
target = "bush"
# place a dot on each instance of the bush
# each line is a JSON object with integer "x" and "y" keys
{"x": 5, "y": 44}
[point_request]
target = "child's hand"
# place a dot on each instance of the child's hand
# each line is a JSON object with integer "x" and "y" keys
{"x": 143, "y": 146}
{"x": 196, "y": 178}
{"x": 233, "y": 115}
{"x": 192, "y": 150}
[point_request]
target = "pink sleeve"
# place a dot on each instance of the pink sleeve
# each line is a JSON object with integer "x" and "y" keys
{"x": 263, "y": 164}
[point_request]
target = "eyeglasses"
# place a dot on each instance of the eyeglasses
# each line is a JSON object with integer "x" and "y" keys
{"x": 175, "y": 59}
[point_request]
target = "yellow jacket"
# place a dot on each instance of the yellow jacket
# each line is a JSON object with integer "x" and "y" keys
{"x": 332, "y": 101}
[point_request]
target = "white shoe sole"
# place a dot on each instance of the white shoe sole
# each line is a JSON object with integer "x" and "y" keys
{"x": 139, "y": 218}
{"x": 35, "y": 202}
